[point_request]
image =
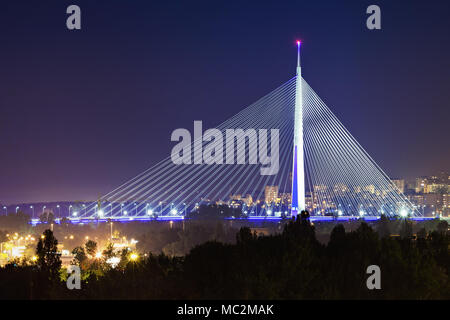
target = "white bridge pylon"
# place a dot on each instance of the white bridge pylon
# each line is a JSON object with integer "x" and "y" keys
{"x": 322, "y": 168}
{"x": 298, "y": 163}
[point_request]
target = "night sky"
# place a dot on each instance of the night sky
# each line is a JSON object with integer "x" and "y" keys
{"x": 83, "y": 111}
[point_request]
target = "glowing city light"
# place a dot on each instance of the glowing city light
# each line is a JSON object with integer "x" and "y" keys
{"x": 114, "y": 261}
{"x": 133, "y": 257}
{"x": 403, "y": 213}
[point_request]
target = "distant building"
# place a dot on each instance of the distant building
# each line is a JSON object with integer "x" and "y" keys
{"x": 446, "y": 204}
{"x": 410, "y": 185}
{"x": 320, "y": 188}
{"x": 417, "y": 199}
{"x": 370, "y": 188}
{"x": 285, "y": 198}
{"x": 309, "y": 201}
{"x": 444, "y": 177}
{"x": 340, "y": 188}
{"x": 421, "y": 184}
{"x": 237, "y": 198}
{"x": 433, "y": 200}
{"x": 434, "y": 187}
{"x": 248, "y": 200}
{"x": 400, "y": 184}
{"x": 271, "y": 194}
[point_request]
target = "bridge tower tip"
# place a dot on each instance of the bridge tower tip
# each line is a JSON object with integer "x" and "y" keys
{"x": 298, "y": 56}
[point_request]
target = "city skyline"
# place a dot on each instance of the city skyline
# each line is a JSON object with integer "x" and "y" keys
{"x": 430, "y": 195}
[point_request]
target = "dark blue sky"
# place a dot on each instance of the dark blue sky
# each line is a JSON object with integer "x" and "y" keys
{"x": 83, "y": 111}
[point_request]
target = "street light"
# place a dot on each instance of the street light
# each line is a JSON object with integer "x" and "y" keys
{"x": 125, "y": 212}
{"x": 70, "y": 208}
{"x": 59, "y": 210}
{"x": 75, "y": 214}
{"x": 135, "y": 209}
{"x": 6, "y": 210}
{"x": 149, "y": 212}
{"x": 31, "y": 207}
{"x": 121, "y": 209}
{"x": 17, "y": 208}
{"x": 84, "y": 206}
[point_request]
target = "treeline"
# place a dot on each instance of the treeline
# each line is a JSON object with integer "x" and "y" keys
{"x": 15, "y": 221}
{"x": 290, "y": 265}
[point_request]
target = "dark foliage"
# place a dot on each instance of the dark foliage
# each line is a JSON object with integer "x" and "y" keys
{"x": 292, "y": 264}
{"x": 48, "y": 258}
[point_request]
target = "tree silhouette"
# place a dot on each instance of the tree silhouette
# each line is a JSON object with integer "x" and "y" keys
{"x": 291, "y": 264}
{"x": 406, "y": 231}
{"x": 91, "y": 247}
{"x": 442, "y": 227}
{"x": 422, "y": 234}
{"x": 245, "y": 236}
{"x": 108, "y": 252}
{"x": 383, "y": 228}
{"x": 79, "y": 255}
{"x": 48, "y": 257}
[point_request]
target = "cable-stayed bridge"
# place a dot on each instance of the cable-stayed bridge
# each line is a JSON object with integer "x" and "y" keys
{"x": 284, "y": 153}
